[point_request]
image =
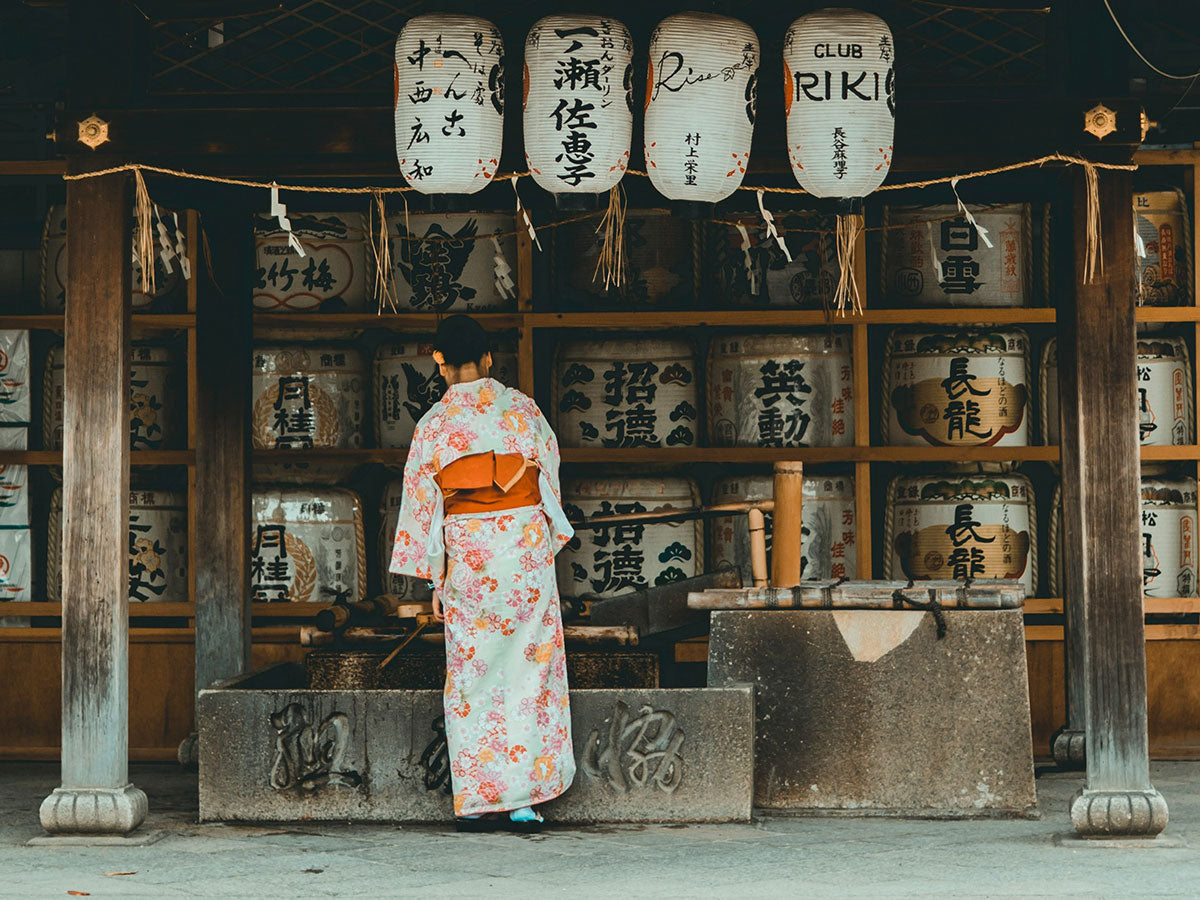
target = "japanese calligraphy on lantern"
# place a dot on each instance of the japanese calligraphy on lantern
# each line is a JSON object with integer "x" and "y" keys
{"x": 961, "y": 527}
{"x": 578, "y": 110}
{"x": 829, "y": 536}
{"x": 933, "y": 256}
{"x": 962, "y": 389}
{"x": 449, "y": 103}
{"x": 455, "y": 262}
{"x": 307, "y": 545}
{"x": 780, "y": 390}
{"x": 625, "y": 393}
{"x": 330, "y": 277}
{"x": 701, "y": 100}
{"x": 308, "y": 397}
{"x": 1163, "y": 248}
{"x": 621, "y": 558}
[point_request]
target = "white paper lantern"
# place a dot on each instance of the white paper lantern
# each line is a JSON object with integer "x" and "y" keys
{"x": 578, "y": 103}
{"x": 701, "y": 96}
{"x": 449, "y": 103}
{"x": 840, "y": 97}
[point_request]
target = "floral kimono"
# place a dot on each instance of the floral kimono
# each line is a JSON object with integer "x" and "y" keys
{"x": 508, "y": 723}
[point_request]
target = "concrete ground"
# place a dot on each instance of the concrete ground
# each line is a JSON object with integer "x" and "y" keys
{"x": 773, "y": 857}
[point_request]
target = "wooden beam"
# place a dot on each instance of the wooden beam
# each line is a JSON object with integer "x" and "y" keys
{"x": 1101, "y": 474}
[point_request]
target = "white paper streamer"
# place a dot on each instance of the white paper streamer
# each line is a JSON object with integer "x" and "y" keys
{"x": 771, "y": 231}
{"x": 164, "y": 241}
{"x": 751, "y": 274}
{"x": 962, "y": 208}
{"x": 279, "y": 211}
{"x": 181, "y": 248}
{"x": 503, "y": 271}
{"x": 525, "y": 217}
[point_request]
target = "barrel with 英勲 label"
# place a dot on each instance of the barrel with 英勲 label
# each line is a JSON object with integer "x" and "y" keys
{"x": 961, "y": 527}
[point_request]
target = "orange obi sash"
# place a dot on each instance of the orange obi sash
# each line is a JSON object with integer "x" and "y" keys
{"x": 489, "y": 482}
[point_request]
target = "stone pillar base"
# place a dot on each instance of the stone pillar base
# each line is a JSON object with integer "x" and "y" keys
{"x": 94, "y": 810}
{"x": 1118, "y": 813}
{"x": 1069, "y": 748}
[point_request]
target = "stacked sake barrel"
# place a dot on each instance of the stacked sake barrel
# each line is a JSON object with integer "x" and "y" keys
{"x": 1163, "y": 248}
{"x": 454, "y": 262}
{"x": 16, "y": 551}
{"x": 747, "y": 268}
{"x": 411, "y": 589}
{"x": 332, "y": 275}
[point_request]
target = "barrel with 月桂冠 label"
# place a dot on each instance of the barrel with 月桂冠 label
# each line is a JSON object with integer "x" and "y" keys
{"x": 829, "y": 539}
{"x": 307, "y": 397}
{"x": 625, "y": 392}
{"x": 956, "y": 389}
{"x": 156, "y": 405}
{"x": 1166, "y": 411}
{"x": 408, "y": 383}
{"x": 1163, "y": 251}
{"x": 413, "y": 590}
{"x": 656, "y": 263}
{"x": 959, "y": 527}
{"x": 750, "y": 269}
{"x": 307, "y": 545}
{"x": 616, "y": 559}
{"x": 158, "y": 547}
{"x": 780, "y": 390}
{"x": 332, "y": 274}
{"x": 454, "y": 262}
{"x": 934, "y": 256}
{"x": 171, "y": 265}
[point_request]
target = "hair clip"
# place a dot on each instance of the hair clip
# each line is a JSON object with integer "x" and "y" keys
{"x": 439, "y": 357}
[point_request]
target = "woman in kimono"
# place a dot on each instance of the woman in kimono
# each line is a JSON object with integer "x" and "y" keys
{"x": 482, "y": 518}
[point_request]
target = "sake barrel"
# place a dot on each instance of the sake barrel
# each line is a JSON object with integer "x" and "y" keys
{"x": 14, "y": 480}
{"x": 308, "y": 396}
{"x": 752, "y": 271}
{"x": 307, "y": 545}
{"x": 16, "y": 570}
{"x": 828, "y": 535}
{"x": 656, "y": 262}
{"x": 331, "y": 276}
{"x": 1162, "y": 248}
{"x": 157, "y": 408}
{"x": 407, "y": 384}
{"x": 16, "y": 377}
{"x": 933, "y": 256}
{"x": 625, "y": 392}
{"x": 413, "y": 590}
{"x": 956, "y": 389}
{"x": 158, "y": 547}
{"x": 780, "y": 390}
{"x": 455, "y": 262}
{"x": 617, "y": 559}
{"x": 1166, "y": 412}
{"x": 982, "y": 526}
{"x": 170, "y": 290}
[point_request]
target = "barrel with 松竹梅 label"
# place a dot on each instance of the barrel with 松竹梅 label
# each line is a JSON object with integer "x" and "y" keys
{"x": 828, "y": 537}
{"x": 1166, "y": 412}
{"x": 606, "y": 561}
{"x": 780, "y": 390}
{"x": 308, "y": 396}
{"x": 408, "y": 383}
{"x": 934, "y": 256}
{"x": 956, "y": 389}
{"x": 750, "y": 269}
{"x": 415, "y": 590}
{"x": 307, "y": 545}
{"x": 959, "y": 527}
{"x": 454, "y": 262}
{"x": 330, "y": 276}
{"x": 625, "y": 392}
{"x": 1163, "y": 250}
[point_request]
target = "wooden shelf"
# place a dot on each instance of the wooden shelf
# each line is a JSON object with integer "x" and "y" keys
{"x": 1151, "y": 605}
{"x": 805, "y": 454}
{"x": 26, "y": 167}
{"x": 409, "y": 323}
{"x": 143, "y": 323}
{"x": 136, "y": 457}
{"x": 171, "y": 610}
{"x": 766, "y": 318}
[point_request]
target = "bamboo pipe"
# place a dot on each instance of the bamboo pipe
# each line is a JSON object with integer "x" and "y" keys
{"x": 786, "y": 524}
{"x": 758, "y": 547}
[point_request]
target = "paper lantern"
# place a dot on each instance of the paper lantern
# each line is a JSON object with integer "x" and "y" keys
{"x": 701, "y": 96}
{"x": 449, "y": 103}
{"x": 840, "y": 98}
{"x": 578, "y": 103}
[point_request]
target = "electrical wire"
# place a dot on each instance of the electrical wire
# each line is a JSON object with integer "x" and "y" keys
{"x": 1141, "y": 56}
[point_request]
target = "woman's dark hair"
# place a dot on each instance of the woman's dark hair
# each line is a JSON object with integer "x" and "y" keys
{"x": 461, "y": 340}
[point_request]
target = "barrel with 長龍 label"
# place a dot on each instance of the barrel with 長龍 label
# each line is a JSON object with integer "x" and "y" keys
{"x": 956, "y": 389}
{"x": 960, "y": 527}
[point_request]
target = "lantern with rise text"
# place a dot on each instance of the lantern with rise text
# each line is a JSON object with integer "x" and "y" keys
{"x": 449, "y": 103}
{"x": 840, "y": 99}
{"x": 701, "y": 98}
{"x": 578, "y": 103}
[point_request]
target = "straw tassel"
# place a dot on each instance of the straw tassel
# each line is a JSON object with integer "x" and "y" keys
{"x": 1094, "y": 260}
{"x": 381, "y": 249}
{"x": 143, "y": 250}
{"x": 611, "y": 263}
{"x": 849, "y": 227}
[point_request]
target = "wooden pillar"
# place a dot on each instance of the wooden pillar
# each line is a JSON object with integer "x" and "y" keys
{"x": 1102, "y": 466}
{"x": 96, "y": 796}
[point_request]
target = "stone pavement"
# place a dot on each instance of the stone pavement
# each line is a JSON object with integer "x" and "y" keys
{"x": 773, "y": 857}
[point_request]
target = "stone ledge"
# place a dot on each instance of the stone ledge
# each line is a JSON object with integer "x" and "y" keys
{"x": 1119, "y": 813}
{"x": 133, "y": 839}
